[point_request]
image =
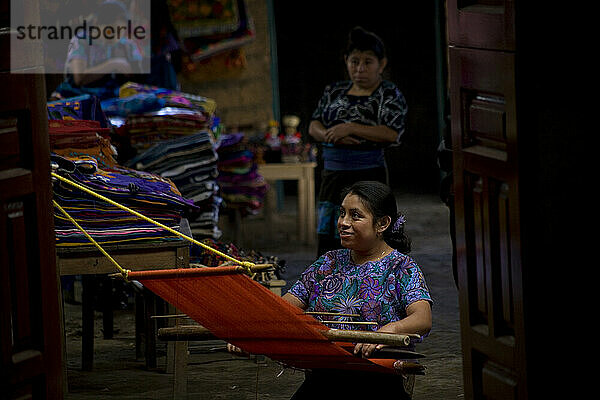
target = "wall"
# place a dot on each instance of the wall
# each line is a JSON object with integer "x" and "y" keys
{"x": 244, "y": 95}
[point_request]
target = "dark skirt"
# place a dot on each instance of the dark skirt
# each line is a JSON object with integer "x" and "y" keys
{"x": 340, "y": 384}
{"x": 332, "y": 185}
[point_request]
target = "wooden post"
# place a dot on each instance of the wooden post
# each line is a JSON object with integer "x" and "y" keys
{"x": 180, "y": 370}
{"x": 150, "y": 331}
{"x": 87, "y": 322}
{"x": 107, "y": 307}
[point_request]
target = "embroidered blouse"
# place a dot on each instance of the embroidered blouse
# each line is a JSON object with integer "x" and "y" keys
{"x": 378, "y": 291}
{"x": 385, "y": 106}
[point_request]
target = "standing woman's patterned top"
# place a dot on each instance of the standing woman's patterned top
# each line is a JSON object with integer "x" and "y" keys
{"x": 378, "y": 290}
{"x": 385, "y": 106}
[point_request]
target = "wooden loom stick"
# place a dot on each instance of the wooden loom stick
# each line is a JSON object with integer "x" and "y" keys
{"x": 199, "y": 333}
{"x": 170, "y": 316}
{"x": 409, "y": 368}
{"x": 350, "y": 322}
{"x": 330, "y": 313}
{"x": 389, "y": 352}
{"x": 196, "y": 332}
{"x": 185, "y": 332}
{"x": 393, "y": 339}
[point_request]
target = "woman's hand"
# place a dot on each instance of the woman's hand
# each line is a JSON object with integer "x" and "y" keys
{"x": 339, "y": 132}
{"x": 417, "y": 320}
{"x": 367, "y": 349}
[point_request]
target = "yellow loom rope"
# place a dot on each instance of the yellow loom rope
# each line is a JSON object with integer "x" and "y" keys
{"x": 123, "y": 271}
{"x": 247, "y": 264}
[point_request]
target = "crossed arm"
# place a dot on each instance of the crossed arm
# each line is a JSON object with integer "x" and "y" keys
{"x": 84, "y": 75}
{"x": 347, "y": 133}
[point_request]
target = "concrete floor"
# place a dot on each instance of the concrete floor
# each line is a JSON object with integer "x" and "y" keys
{"x": 219, "y": 375}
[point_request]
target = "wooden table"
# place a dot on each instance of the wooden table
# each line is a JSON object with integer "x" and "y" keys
{"x": 304, "y": 174}
{"x": 93, "y": 265}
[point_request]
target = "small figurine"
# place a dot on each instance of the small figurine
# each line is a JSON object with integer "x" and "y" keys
{"x": 292, "y": 141}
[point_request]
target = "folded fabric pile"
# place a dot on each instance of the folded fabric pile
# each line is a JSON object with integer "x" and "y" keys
{"x": 167, "y": 133}
{"x": 74, "y": 138}
{"x": 147, "y": 114}
{"x": 85, "y": 107}
{"x": 81, "y": 150}
{"x": 190, "y": 162}
{"x": 242, "y": 187}
{"x": 146, "y": 193}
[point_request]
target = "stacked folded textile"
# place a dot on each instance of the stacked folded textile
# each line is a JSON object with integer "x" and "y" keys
{"x": 146, "y": 193}
{"x": 166, "y": 132}
{"x": 148, "y": 114}
{"x": 84, "y": 107}
{"x": 73, "y": 138}
{"x": 242, "y": 187}
{"x": 190, "y": 162}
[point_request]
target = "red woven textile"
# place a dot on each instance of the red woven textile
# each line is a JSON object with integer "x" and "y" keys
{"x": 242, "y": 312}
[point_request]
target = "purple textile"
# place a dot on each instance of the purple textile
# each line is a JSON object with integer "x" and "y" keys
{"x": 378, "y": 290}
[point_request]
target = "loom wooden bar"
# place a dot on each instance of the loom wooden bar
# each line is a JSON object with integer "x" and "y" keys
{"x": 392, "y": 339}
{"x": 395, "y": 353}
{"x": 330, "y": 313}
{"x": 185, "y": 332}
{"x": 409, "y": 368}
{"x": 198, "y": 332}
{"x": 350, "y": 322}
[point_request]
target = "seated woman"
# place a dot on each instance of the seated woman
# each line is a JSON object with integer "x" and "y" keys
{"x": 371, "y": 276}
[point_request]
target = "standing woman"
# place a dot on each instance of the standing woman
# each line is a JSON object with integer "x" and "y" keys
{"x": 355, "y": 120}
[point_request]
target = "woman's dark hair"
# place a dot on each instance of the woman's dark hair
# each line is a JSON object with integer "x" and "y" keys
{"x": 379, "y": 199}
{"x": 363, "y": 40}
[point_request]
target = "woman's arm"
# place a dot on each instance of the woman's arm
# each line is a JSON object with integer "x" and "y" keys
{"x": 378, "y": 133}
{"x": 293, "y": 300}
{"x": 341, "y": 133}
{"x": 417, "y": 320}
{"x": 82, "y": 75}
{"x": 317, "y": 130}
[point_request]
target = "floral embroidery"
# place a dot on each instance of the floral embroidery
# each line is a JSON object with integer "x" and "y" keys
{"x": 378, "y": 291}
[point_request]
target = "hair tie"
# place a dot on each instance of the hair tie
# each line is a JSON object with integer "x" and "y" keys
{"x": 398, "y": 224}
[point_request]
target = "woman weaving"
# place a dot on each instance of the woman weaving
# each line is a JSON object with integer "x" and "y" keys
{"x": 371, "y": 276}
